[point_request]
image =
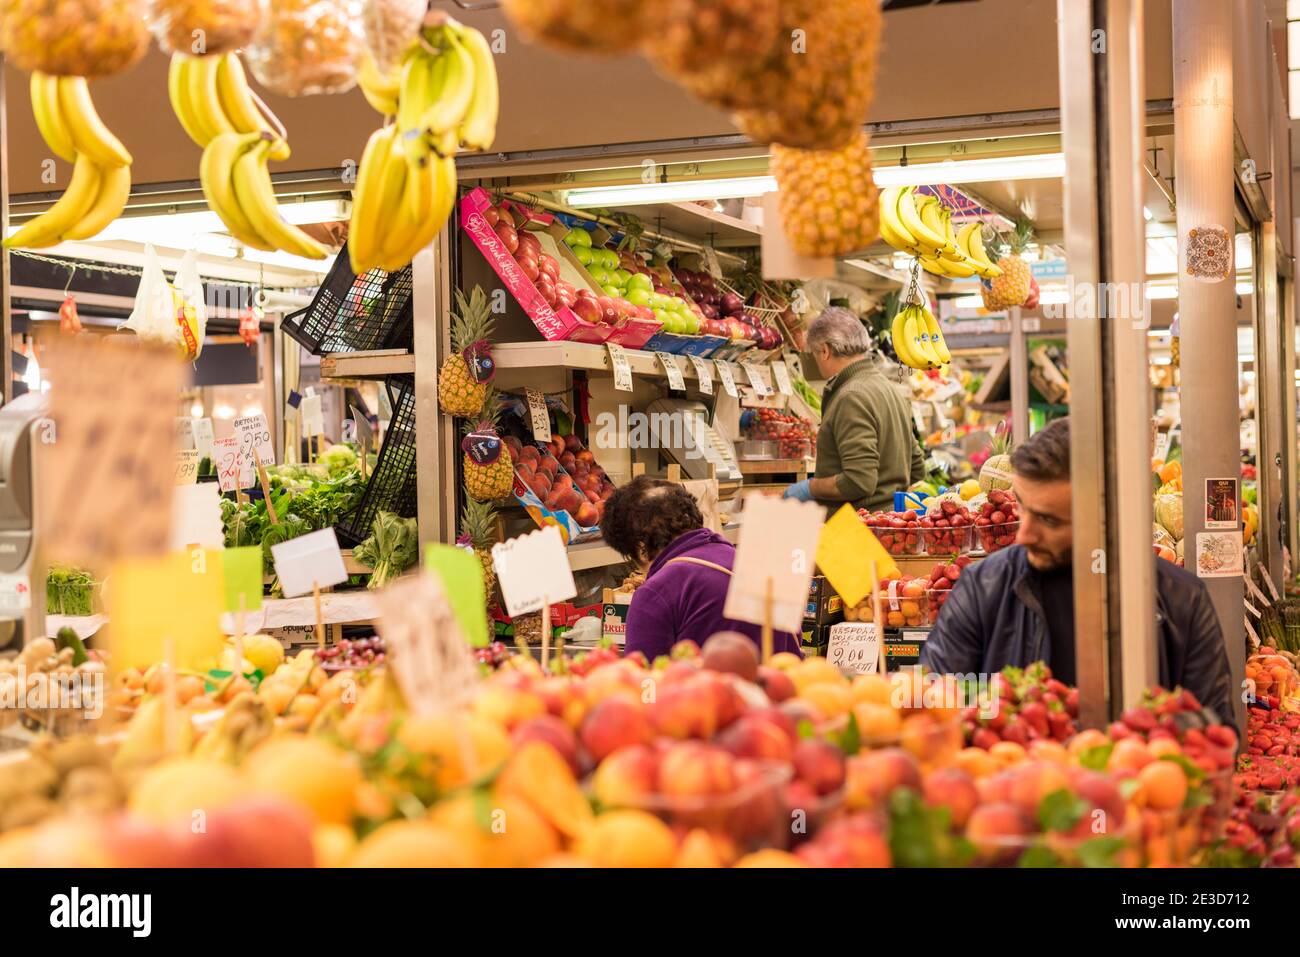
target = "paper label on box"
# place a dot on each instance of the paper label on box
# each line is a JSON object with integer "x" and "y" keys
{"x": 854, "y": 647}
{"x": 781, "y": 372}
{"x": 309, "y": 561}
{"x": 761, "y": 388}
{"x": 622, "y": 370}
{"x": 15, "y": 594}
{"x": 187, "y": 466}
{"x": 541, "y": 419}
{"x": 533, "y": 569}
{"x": 726, "y": 374}
{"x": 675, "y": 378}
{"x": 196, "y": 517}
{"x": 235, "y": 469}
{"x": 184, "y": 432}
{"x": 255, "y": 436}
{"x": 703, "y": 374}
{"x": 203, "y": 437}
{"x": 313, "y": 417}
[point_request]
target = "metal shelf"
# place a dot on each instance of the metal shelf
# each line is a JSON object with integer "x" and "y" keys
{"x": 377, "y": 364}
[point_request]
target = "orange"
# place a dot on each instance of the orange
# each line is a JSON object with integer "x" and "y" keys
{"x": 1164, "y": 784}
{"x": 1087, "y": 738}
{"x": 1128, "y": 754}
{"x": 505, "y": 831}
{"x": 413, "y": 844}
{"x": 627, "y": 839}
{"x": 309, "y": 771}
{"x": 830, "y": 700}
{"x": 1008, "y": 753}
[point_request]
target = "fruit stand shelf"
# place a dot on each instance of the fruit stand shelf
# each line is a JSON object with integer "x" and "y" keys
{"x": 699, "y": 223}
{"x": 798, "y": 467}
{"x": 377, "y": 364}
{"x": 580, "y": 355}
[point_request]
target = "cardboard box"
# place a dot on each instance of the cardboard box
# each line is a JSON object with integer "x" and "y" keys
{"x": 903, "y": 648}
{"x": 825, "y": 607}
{"x": 570, "y": 530}
{"x": 815, "y": 638}
{"x": 614, "y": 619}
{"x": 295, "y": 637}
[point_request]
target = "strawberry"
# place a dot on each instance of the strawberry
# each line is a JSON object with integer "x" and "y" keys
{"x": 984, "y": 738}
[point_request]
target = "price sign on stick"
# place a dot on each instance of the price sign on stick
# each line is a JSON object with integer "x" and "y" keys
{"x": 361, "y": 423}
{"x": 781, "y": 372}
{"x": 533, "y": 570}
{"x": 461, "y": 574}
{"x": 313, "y": 416}
{"x": 242, "y": 569}
{"x": 537, "y": 414}
{"x": 255, "y": 438}
{"x": 187, "y": 466}
{"x": 234, "y": 469}
{"x": 703, "y": 374}
{"x": 105, "y": 449}
{"x": 854, "y": 646}
{"x": 774, "y": 562}
{"x": 196, "y": 517}
{"x": 184, "y": 432}
{"x": 675, "y": 378}
{"x": 309, "y": 562}
{"x": 203, "y": 437}
{"x": 173, "y": 600}
{"x": 622, "y": 369}
{"x": 845, "y": 552}
{"x": 425, "y": 647}
{"x": 728, "y": 377}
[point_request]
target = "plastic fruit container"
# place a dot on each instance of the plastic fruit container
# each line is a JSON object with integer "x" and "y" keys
{"x": 900, "y": 541}
{"x": 753, "y": 815}
{"x": 993, "y": 537}
{"x": 951, "y": 541}
{"x": 899, "y": 612}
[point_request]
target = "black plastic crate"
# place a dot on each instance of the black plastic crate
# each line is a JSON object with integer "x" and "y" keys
{"x": 391, "y": 486}
{"x": 352, "y": 313}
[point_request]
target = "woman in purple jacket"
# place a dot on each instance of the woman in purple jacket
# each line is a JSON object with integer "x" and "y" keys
{"x": 657, "y": 524}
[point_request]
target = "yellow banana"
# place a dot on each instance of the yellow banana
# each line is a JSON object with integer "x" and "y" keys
{"x": 940, "y": 266}
{"x": 205, "y": 100}
{"x": 412, "y": 212}
{"x": 215, "y": 174}
{"x": 396, "y": 232}
{"x": 910, "y": 217}
{"x": 419, "y": 74}
{"x": 366, "y": 194}
{"x": 936, "y": 336}
{"x": 479, "y": 128}
{"x": 931, "y": 212}
{"x": 110, "y": 200}
{"x": 898, "y": 334}
{"x": 239, "y": 107}
{"x": 89, "y": 134}
{"x": 256, "y": 197}
{"x": 69, "y": 210}
{"x": 456, "y": 91}
{"x": 891, "y": 230}
{"x": 970, "y": 238}
{"x": 380, "y": 91}
{"x": 178, "y": 92}
{"x": 49, "y": 116}
{"x": 920, "y": 338}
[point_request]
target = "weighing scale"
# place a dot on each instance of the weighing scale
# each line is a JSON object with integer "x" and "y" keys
{"x": 687, "y": 438}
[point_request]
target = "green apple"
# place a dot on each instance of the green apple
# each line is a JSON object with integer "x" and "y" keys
{"x": 692, "y": 323}
{"x": 622, "y": 276}
{"x": 612, "y": 291}
{"x": 600, "y": 274}
{"x": 638, "y": 296}
{"x": 640, "y": 280}
{"x": 583, "y": 254}
{"x": 609, "y": 259}
{"x": 582, "y": 238}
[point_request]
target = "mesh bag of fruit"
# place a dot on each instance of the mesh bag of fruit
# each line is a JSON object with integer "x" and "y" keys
{"x": 203, "y": 27}
{"x": 74, "y": 37}
{"x": 308, "y": 47}
{"x": 391, "y": 27}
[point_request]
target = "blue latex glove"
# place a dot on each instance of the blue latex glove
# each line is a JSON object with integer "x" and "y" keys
{"x": 799, "y": 490}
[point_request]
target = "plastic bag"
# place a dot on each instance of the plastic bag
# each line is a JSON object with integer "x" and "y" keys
{"x": 203, "y": 27}
{"x": 391, "y": 26}
{"x": 308, "y": 47}
{"x": 74, "y": 37}
{"x": 166, "y": 314}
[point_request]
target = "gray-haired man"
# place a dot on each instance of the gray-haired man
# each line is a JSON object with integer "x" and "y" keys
{"x": 865, "y": 448}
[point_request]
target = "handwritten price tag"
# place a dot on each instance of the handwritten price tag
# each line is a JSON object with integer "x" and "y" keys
{"x": 853, "y": 647}
{"x": 187, "y": 466}
{"x": 533, "y": 568}
{"x": 755, "y": 376}
{"x": 675, "y": 378}
{"x": 703, "y": 374}
{"x": 728, "y": 377}
{"x": 781, "y": 372}
{"x": 254, "y": 437}
{"x": 235, "y": 469}
{"x": 540, "y": 418}
{"x": 622, "y": 370}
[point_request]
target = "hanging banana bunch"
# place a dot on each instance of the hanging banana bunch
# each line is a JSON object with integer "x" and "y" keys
{"x": 444, "y": 98}
{"x": 101, "y": 172}
{"x": 919, "y": 224}
{"x": 918, "y": 340}
{"x": 211, "y": 97}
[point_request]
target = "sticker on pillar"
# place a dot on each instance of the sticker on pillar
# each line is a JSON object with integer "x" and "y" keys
{"x": 1221, "y": 503}
{"x": 1219, "y": 554}
{"x": 1209, "y": 253}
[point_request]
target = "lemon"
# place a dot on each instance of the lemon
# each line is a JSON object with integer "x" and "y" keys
{"x": 969, "y": 489}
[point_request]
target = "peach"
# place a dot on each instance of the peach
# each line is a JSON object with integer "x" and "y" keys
{"x": 1165, "y": 785}
{"x": 615, "y": 723}
{"x": 1044, "y": 749}
{"x": 627, "y": 839}
{"x": 784, "y": 660}
{"x": 552, "y": 731}
{"x": 853, "y": 841}
{"x": 820, "y": 764}
{"x": 755, "y": 736}
{"x": 992, "y": 826}
{"x": 870, "y": 777}
{"x": 732, "y": 652}
{"x": 776, "y": 684}
{"x": 1129, "y": 754}
{"x": 953, "y": 789}
{"x": 872, "y": 689}
{"x": 1087, "y": 738}
{"x": 626, "y": 777}
{"x": 1032, "y": 782}
{"x": 684, "y": 649}
{"x": 698, "y": 851}
{"x": 507, "y": 706}
{"x": 1163, "y": 747}
{"x": 976, "y": 762}
{"x": 618, "y": 678}
{"x": 877, "y": 723}
{"x": 760, "y": 811}
{"x": 928, "y": 738}
{"x": 769, "y": 858}
{"x": 1007, "y": 753}
{"x": 693, "y": 769}
{"x": 556, "y": 692}
{"x": 813, "y": 671}
{"x": 686, "y": 709}
{"x": 830, "y": 700}
{"x": 1106, "y": 805}
{"x": 255, "y": 832}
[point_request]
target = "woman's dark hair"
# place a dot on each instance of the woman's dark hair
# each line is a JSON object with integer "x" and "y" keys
{"x": 1045, "y": 456}
{"x": 645, "y": 515}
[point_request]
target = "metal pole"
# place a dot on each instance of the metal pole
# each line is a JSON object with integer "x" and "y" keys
{"x": 1103, "y": 130}
{"x": 1203, "y": 184}
{"x": 1272, "y": 395}
{"x": 6, "y": 317}
{"x": 428, "y": 458}
{"x": 1019, "y": 378}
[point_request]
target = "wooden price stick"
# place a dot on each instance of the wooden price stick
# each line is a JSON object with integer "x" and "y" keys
{"x": 266, "y": 492}
{"x": 171, "y": 707}
{"x": 877, "y": 616}
{"x": 767, "y": 623}
{"x": 320, "y": 624}
{"x": 546, "y": 632}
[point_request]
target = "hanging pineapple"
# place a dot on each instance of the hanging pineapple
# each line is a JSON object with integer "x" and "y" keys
{"x": 1013, "y": 286}
{"x": 995, "y": 473}
{"x": 463, "y": 378}
{"x": 828, "y": 202}
{"x": 489, "y": 468}
{"x": 478, "y": 531}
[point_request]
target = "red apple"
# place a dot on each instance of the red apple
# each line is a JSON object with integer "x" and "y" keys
{"x": 529, "y": 267}
{"x": 506, "y": 233}
{"x": 549, "y": 265}
{"x": 587, "y": 309}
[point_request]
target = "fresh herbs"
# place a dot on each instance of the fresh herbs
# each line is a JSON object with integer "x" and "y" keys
{"x": 392, "y": 548}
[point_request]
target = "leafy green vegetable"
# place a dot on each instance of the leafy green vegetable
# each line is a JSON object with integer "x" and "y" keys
{"x": 392, "y": 548}
{"x": 69, "y": 591}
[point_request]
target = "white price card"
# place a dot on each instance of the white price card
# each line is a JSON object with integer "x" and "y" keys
{"x": 781, "y": 372}
{"x": 727, "y": 375}
{"x": 235, "y": 469}
{"x": 15, "y": 595}
{"x": 622, "y": 370}
{"x": 755, "y": 375}
{"x": 365, "y": 435}
{"x": 196, "y": 517}
{"x": 425, "y": 647}
{"x": 703, "y": 374}
{"x": 774, "y": 562}
{"x": 187, "y": 466}
{"x": 309, "y": 561}
{"x": 203, "y": 437}
{"x": 854, "y": 647}
{"x": 675, "y": 378}
{"x": 540, "y": 418}
{"x": 254, "y": 437}
{"x": 313, "y": 416}
{"x": 533, "y": 570}
{"x": 184, "y": 432}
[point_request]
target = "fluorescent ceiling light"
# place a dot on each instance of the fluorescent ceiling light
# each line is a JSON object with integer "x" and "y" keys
{"x": 684, "y": 191}
{"x": 1040, "y": 166}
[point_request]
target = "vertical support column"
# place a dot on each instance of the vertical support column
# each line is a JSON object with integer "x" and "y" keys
{"x": 1203, "y": 185}
{"x": 1019, "y": 378}
{"x": 1290, "y": 427}
{"x": 1103, "y": 128}
{"x": 1272, "y": 396}
{"x": 425, "y": 296}
{"x": 6, "y": 316}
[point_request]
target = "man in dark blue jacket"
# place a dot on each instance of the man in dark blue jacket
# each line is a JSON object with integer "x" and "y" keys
{"x": 1017, "y": 606}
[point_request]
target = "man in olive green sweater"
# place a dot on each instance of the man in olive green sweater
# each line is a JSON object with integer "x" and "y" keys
{"x": 865, "y": 448}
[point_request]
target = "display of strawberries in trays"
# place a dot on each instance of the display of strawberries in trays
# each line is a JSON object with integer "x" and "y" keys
{"x": 794, "y": 436}
{"x": 948, "y": 528}
{"x": 899, "y": 532}
{"x": 940, "y": 584}
{"x": 998, "y": 521}
{"x": 1022, "y": 705}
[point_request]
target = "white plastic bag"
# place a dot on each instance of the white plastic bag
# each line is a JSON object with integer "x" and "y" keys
{"x": 166, "y": 314}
